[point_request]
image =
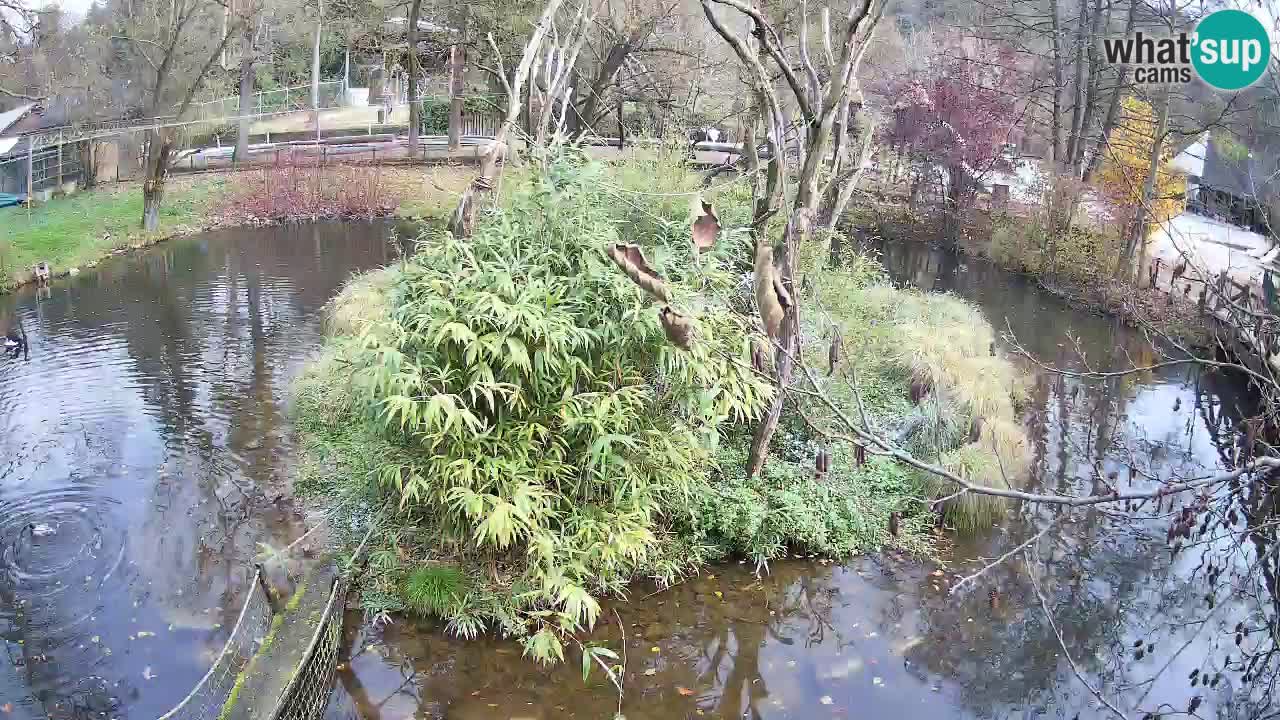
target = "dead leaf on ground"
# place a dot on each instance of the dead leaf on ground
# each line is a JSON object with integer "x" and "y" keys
{"x": 684, "y": 691}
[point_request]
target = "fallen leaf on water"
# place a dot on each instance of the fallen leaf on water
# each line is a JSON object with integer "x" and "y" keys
{"x": 826, "y": 700}
{"x": 493, "y": 704}
{"x": 651, "y": 672}
{"x": 94, "y": 639}
{"x": 937, "y": 573}
{"x": 476, "y": 693}
{"x": 145, "y": 634}
{"x": 146, "y": 673}
{"x": 655, "y": 648}
{"x": 719, "y": 594}
{"x": 684, "y": 690}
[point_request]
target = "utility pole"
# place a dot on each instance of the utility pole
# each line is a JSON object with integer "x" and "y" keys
{"x": 457, "y": 67}
{"x": 315, "y": 68}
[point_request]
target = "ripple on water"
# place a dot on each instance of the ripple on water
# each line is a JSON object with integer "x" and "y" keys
{"x": 89, "y": 380}
{"x": 59, "y": 550}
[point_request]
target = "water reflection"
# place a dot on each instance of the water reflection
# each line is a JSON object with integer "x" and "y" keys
{"x": 139, "y": 448}
{"x": 885, "y": 636}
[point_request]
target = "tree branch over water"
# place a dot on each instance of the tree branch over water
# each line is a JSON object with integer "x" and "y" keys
{"x": 860, "y": 433}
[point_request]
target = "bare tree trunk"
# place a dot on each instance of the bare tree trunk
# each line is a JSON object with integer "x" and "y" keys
{"x": 1113, "y": 106}
{"x": 246, "y": 95}
{"x": 457, "y": 66}
{"x": 1055, "y": 139}
{"x": 159, "y": 149}
{"x": 1091, "y": 90}
{"x": 415, "y": 105}
{"x": 1077, "y": 86}
{"x": 161, "y": 141}
{"x": 591, "y": 110}
{"x": 1138, "y": 235}
{"x": 848, "y": 185}
{"x": 315, "y": 66}
{"x": 462, "y": 223}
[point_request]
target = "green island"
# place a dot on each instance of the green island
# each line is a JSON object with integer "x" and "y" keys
{"x": 510, "y": 408}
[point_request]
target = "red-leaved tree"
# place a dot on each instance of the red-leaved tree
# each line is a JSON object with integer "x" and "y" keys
{"x": 955, "y": 115}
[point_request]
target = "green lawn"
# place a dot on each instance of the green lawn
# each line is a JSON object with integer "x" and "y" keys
{"x": 77, "y": 230}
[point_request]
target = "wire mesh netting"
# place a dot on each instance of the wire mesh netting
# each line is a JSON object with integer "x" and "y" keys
{"x": 308, "y": 692}
{"x": 206, "y": 700}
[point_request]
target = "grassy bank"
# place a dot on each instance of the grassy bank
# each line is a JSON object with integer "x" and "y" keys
{"x": 538, "y": 442}
{"x": 77, "y": 231}
{"x": 1078, "y": 266}
{"x": 83, "y": 228}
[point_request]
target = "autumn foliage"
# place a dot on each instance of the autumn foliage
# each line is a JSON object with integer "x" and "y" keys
{"x": 957, "y": 113}
{"x": 1126, "y": 163}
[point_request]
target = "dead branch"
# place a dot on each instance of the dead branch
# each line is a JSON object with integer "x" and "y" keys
{"x": 462, "y": 223}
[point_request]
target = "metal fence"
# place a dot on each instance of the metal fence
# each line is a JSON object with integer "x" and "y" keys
{"x": 333, "y": 94}
{"x": 50, "y": 168}
{"x": 206, "y": 700}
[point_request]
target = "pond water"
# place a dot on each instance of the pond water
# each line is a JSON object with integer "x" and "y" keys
{"x": 148, "y": 431}
{"x": 145, "y": 438}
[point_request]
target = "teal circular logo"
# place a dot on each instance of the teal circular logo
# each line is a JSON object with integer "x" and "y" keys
{"x": 1231, "y": 49}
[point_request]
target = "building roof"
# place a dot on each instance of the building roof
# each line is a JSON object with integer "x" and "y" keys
{"x": 1240, "y": 171}
{"x": 7, "y": 119}
{"x": 1190, "y": 158}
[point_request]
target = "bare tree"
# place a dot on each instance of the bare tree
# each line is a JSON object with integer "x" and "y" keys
{"x": 253, "y": 28}
{"x": 462, "y": 222}
{"x": 172, "y": 40}
{"x": 820, "y": 97}
{"x": 415, "y": 105}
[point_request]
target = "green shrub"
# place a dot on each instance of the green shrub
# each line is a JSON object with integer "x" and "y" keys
{"x": 514, "y": 399}
{"x": 435, "y": 589}
{"x": 894, "y": 337}
{"x": 435, "y": 112}
{"x": 534, "y": 409}
{"x": 784, "y": 509}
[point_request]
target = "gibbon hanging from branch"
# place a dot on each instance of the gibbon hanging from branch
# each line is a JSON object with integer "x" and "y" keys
{"x": 771, "y": 297}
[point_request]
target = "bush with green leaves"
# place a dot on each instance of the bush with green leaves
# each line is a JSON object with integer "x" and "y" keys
{"x": 786, "y": 509}
{"x": 435, "y": 589}
{"x": 435, "y": 112}
{"x": 530, "y": 406}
